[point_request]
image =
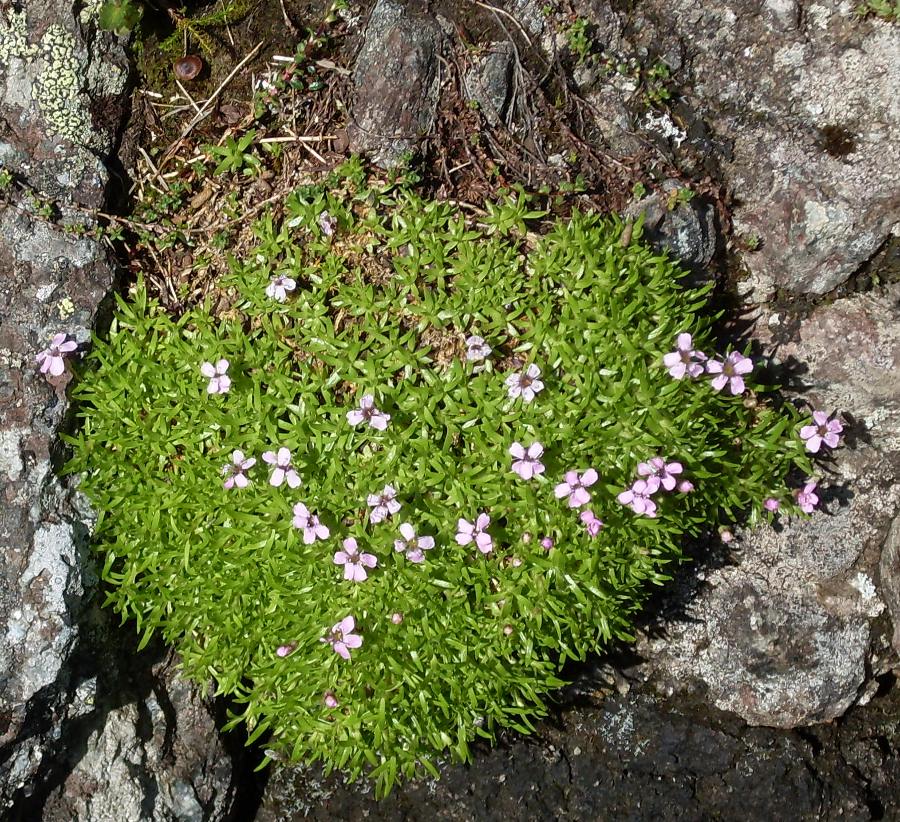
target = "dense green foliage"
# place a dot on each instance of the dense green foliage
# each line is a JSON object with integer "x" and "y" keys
{"x": 382, "y": 306}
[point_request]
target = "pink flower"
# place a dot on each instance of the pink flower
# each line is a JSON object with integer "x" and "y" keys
{"x": 413, "y": 546}
{"x": 341, "y": 637}
{"x": 575, "y": 487}
{"x": 235, "y": 470}
{"x": 51, "y": 359}
{"x": 822, "y": 430}
{"x": 685, "y": 487}
{"x": 638, "y": 497}
{"x": 286, "y": 650}
{"x": 330, "y": 700}
{"x": 284, "y": 469}
{"x": 219, "y": 381}
{"x": 546, "y": 543}
{"x": 525, "y": 384}
{"x": 327, "y": 223}
{"x": 725, "y": 535}
{"x": 658, "y": 472}
{"x": 397, "y": 618}
{"x": 367, "y": 412}
{"x": 807, "y": 499}
{"x": 354, "y": 562}
{"x": 310, "y": 525}
{"x": 383, "y": 505}
{"x": 527, "y": 463}
{"x": 477, "y": 349}
{"x": 475, "y": 532}
{"x": 279, "y": 286}
{"x": 730, "y": 372}
{"x": 684, "y": 360}
{"x": 591, "y": 522}
{"x": 771, "y": 504}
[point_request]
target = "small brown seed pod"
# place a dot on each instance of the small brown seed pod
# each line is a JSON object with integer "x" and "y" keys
{"x": 188, "y": 67}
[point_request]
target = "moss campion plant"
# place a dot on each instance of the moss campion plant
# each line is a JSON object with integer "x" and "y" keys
{"x": 417, "y": 464}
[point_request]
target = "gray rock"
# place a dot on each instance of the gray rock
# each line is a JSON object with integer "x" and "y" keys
{"x": 153, "y": 756}
{"x": 627, "y": 757}
{"x": 800, "y": 104}
{"x": 488, "y": 82}
{"x": 687, "y": 231}
{"x": 80, "y": 737}
{"x": 808, "y": 104}
{"x": 396, "y": 81}
{"x": 529, "y": 14}
{"x": 785, "y": 635}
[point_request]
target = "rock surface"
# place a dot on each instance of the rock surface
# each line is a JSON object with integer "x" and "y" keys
{"x": 685, "y": 230}
{"x": 89, "y": 730}
{"x": 488, "y": 82}
{"x": 631, "y": 758}
{"x": 805, "y": 116}
{"x": 396, "y": 81}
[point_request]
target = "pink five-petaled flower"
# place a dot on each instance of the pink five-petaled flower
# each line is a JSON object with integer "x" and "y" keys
{"x": 327, "y": 223}
{"x": 527, "y": 462}
{"x": 771, "y": 504}
{"x": 822, "y": 430}
{"x": 475, "y": 532}
{"x": 219, "y": 381}
{"x": 367, "y": 412}
{"x": 684, "y": 360}
{"x": 330, "y": 700}
{"x": 525, "y": 384}
{"x": 51, "y": 359}
{"x": 477, "y": 349}
{"x": 575, "y": 487}
{"x": 638, "y": 497}
{"x": 278, "y": 287}
{"x": 235, "y": 470}
{"x": 286, "y": 650}
{"x": 591, "y": 522}
{"x": 354, "y": 561}
{"x": 284, "y": 469}
{"x": 730, "y": 371}
{"x": 309, "y": 523}
{"x": 411, "y": 544}
{"x": 341, "y": 637}
{"x": 384, "y": 504}
{"x": 546, "y": 543}
{"x": 685, "y": 487}
{"x": 659, "y": 472}
{"x": 807, "y": 499}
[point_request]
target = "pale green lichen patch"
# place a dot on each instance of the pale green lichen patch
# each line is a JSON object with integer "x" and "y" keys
{"x": 14, "y": 38}
{"x": 60, "y": 71}
{"x": 57, "y": 90}
{"x": 91, "y": 11}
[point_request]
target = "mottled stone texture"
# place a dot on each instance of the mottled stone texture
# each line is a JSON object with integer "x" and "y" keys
{"x": 396, "y": 81}
{"x": 632, "y": 757}
{"x": 801, "y": 102}
{"x": 89, "y": 730}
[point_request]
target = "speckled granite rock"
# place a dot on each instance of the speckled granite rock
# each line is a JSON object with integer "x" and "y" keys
{"x": 89, "y": 729}
{"x": 396, "y": 81}
{"x": 801, "y": 98}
